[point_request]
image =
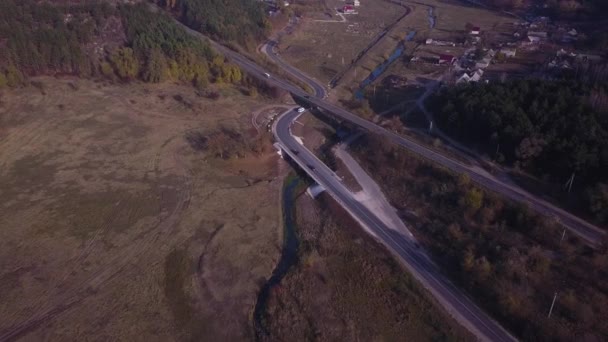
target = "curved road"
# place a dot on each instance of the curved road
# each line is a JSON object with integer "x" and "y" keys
{"x": 454, "y": 300}
{"x": 590, "y": 233}
{"x": 447, "y": 294}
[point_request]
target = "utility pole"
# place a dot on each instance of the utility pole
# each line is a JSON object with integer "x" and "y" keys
{"x": 563, "y": 235}
{"x": 552, "y": 304}
{"x": 571, "y": 181}
{"x": 431, "y": 126}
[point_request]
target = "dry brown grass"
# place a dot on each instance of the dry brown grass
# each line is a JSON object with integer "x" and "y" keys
{"x": 347, "y": 287}
{"x": 319, "y": 47}
{"x": 114, "y": 228}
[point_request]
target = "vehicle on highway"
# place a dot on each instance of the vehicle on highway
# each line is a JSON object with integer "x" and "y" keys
{"x": 312, "y": 168}
{"x": 301, "y": 110}
{"x": 267, "y": 75}
{"x": 295, "y": 151}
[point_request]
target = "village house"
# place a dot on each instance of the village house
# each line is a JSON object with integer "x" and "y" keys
{"x": 446, "y": 59}
{"x": 508, "y": 52}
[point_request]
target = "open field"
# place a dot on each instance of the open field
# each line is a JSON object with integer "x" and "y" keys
{"x": 451, "y": 21}
{"x": 320, "y": 47}
{"x": 117, "y": 224}
{"x": 346, "y": 287}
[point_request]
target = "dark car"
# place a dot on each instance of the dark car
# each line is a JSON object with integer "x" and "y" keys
{"x": 311, "y": 167}
{"x": 295, "y": 151}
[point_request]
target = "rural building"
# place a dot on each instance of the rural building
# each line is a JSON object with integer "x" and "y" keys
{"x": 474, "y": 77}
{"x": 475, "y": 30}
{"x": 446, "y": 60}
{"x": 533, "y": 39}
{"x": 348, "y": 9}
{"x": 540, "y": 34}
{"x": 588, "y": 57}
{"x": 508, "y": 52}
{"x": 430, "y": 41}
{"x": 486, "y": 60}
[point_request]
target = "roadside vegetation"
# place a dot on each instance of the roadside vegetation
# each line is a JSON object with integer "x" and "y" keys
{"x": 345, "y": 286}
{"x": 511, "y": 260}
{"x": 550, "y": 129}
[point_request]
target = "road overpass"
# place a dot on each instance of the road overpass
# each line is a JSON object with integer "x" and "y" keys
{"x": 588, "y": 232}
{"x": 404, "y": 247}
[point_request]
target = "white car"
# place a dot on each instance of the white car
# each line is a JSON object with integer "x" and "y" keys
{"x": 301, "y": 110}
{"x": 267, "y": 75}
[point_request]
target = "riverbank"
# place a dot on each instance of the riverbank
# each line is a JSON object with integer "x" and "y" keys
{"x": 292, "y": 188}
{"x": 346, "y": 286}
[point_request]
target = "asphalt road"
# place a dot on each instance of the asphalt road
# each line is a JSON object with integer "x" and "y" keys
{"x": 414, "y": 258}
{"x": 451, "y": 298}
{"x": 454, "y": 300}
{"x": 590, "y": 233}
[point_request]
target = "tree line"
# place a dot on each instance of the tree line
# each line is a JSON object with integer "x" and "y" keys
{"x": 550, "y": 129}
{"x": 41, "y": 38}
{"x": 511, "y": 260}
{"x": 240, "y": 21}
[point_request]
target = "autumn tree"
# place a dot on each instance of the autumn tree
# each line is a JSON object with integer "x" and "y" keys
{"x": 156, "y": 67}
{"x": 3, "y": 81}
{"x": 125, "y": 63}
{"x": 473, "y": 199}
{"x": 14, "y": 77}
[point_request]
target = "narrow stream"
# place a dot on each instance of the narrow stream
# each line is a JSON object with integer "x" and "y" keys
{"x": 289, "y": 256}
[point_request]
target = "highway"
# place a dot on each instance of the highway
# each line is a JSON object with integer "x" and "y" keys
{"x": 414, "y": 258}
{"x": 417, "y": 262}
{"x": 587, "y": 231}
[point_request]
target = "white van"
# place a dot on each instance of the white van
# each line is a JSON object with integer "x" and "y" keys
{"x": 301, "y": 110}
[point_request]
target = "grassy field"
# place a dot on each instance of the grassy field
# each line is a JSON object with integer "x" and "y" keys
{"x": 321, "y": 43}
{"x": 116, "y": 225}
{"x": 346, "y": 287}
{"x": 318, "y": 47}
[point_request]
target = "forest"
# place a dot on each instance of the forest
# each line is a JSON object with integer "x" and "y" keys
{"x": 550, "y": 129}
{"x": 240, "y": 21}
{"x": 39, "y": 38}
{"x": 123, "y": 43}
{"x": 511, "y": 260}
